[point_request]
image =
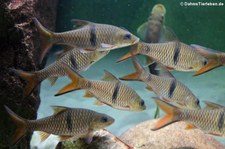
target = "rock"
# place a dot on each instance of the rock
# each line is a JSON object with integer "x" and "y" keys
{"x": 19, "y": 49}
{"x": 173, "y": 136}
{"x": 103, "y": 139}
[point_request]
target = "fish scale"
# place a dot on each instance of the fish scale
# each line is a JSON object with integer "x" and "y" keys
{"x": 187, "y": 57}
{"x": 161, "y": 86}
{"x": 207, "y": 120}
{"x": 57, "y": 68}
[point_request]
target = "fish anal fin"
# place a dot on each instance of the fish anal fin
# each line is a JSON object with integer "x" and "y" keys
{"x": 132, "y": 76}
{"x": 211, "y": 65}
{"x": 88, "y": 94}
{"x": 98, "y": 103}
{"x": 190, "y": 126}
{"x": 43, "y": 135}
{"x": 109, "y": 76}
{"x": 65, "y": 137}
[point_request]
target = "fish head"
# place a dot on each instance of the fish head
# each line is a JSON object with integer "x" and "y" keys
{"x": 137, "y": 104}
{"x": 159, "y": 9}
{"x": 199, "y": 63}
{"x": 101, "y": 121}
{"x": 124, "y": 38}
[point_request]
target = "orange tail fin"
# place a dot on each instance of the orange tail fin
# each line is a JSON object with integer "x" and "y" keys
{"x": 31, "y": 78}
{"x": 74, "y": 85}
{"x": 134, "y": 50}
{"x": 136, "y": 75}
{"x": 21, "y": 124}
{"x": 46, "y": 38}
{"x": 171, "y": 112}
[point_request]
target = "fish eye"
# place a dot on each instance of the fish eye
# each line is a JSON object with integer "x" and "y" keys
{"x": 104, "y": 119}
{"x": 127, "y": 36}
{"x": 197, "y": 102}
{"x": 142, "y": 103}
{"x": 205, "y": 63}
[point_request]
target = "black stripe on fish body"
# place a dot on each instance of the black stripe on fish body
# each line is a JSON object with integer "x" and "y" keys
{"x": 172, "y": 88}
{"x": 116, "y": 91}
{"x": 69, "y": 122}
{"x": 176, "y": 52}
{"x": 221, "y": 120}
{"x": 93, "y": 37}
{"x": 73, "y": 61}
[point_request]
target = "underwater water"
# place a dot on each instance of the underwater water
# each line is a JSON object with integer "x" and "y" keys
{"x": 203, "y": 25}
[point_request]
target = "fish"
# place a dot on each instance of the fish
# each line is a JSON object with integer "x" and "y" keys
{"x": 174, "y": 55}
{"x": 164, "y": 86}
{"x": 109, "y": 91}
{"x": 210, "y": 121}
{"x": 87, "y": 36}
{"x": 155, "y": 31}
{"x": 215, "y": 58}
{"x": 67, "y": 123}
{"x": 74, "y": 58}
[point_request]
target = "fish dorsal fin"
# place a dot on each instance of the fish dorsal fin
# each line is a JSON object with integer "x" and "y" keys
{"x": 80, "y": 23}
{"x": 164, "y": 72}
{"x": 52, "y": 80}
{"x": 206, "y": 52}
{"x": 149, "y": 61}
{"x": 109, "y": 76}
{"x": 142, "y": 30}
{"x": 58, "y": 109}
{"x": 167, "y": 34}
{"x": 211, "y": 105}
{"x": 43, "y": 135}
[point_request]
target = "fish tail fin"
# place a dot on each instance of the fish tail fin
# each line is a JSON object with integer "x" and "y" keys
{"x": 77, "y": 81}
{"x": 21, "y": 125}
{"x": 46, "y": 38}
{"x": 171, "y": 114}
{"x": 134, "y": 50}
{"x": 137, "y": 74}
{"x": 31, "y": 78}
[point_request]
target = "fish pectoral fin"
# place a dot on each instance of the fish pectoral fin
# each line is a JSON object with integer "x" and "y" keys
{"x": 80, "y": 23}
{"x": 65, "y": 137}
{"x": 106, "y": 46}
{"x": 98, "y": 103}
{"x": 43, "y": 135}
{"x": 52, "y": 80}
{"x": 88, "y": 94}
{"x": 190, "y": 126}
{"x": 58, "y": 109}
{"x": 169, "y": 68}
{"x": 211, "y": 105}
{"x": 211, "y": 65}
{"x": 85, "y": 51}
{"x": 142, "y": 30}
{"x": 89, "y": 137}
{"x": 149, "y": 88}
{"x": 214, "y": 134}
{"x": 167, "y": 34}
{"x": 108, "y": 76}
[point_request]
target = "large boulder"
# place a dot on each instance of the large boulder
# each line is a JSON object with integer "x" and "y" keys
{"x": 173, "y": 136}
{"x": 20, "y": 49}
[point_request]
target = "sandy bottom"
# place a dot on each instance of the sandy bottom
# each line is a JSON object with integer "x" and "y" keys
{"x": 209, "y": 86}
